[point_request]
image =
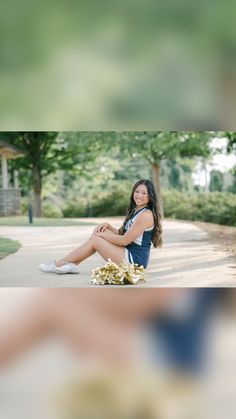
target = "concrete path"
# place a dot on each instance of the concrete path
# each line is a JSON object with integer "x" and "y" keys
{"x": 187, "y": 259}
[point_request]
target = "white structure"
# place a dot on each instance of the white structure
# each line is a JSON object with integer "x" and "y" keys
{"x": 9, "y": 197}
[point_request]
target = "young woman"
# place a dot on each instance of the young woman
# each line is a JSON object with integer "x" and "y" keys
{"x": 132, "y": 242}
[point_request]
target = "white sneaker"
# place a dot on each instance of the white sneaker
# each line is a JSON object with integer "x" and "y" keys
{"x": 68, "y": 268}
{"x": 50, "y": 267}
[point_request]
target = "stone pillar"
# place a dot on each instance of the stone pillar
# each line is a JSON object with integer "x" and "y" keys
{"x": 4, "y": 173}
{"x": 16, "y": 179}
{"x": 10, "y": 202}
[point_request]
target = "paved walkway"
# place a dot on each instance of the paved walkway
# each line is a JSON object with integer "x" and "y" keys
{"x": 187, "y": 259}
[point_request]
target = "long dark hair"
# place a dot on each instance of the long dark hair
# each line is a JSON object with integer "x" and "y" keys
{"x": 153, "y": 205}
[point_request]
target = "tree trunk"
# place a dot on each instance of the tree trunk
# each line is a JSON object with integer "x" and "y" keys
{"x": 37, "y": 192}
{"x": 156, "y": 180}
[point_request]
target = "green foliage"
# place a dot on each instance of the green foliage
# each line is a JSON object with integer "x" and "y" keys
{"x": 51, "y": 211}
{"x": 47, "y": 152}
{"x": 177, "y": 174}
{"x": 24, "y": 206}
{"x": 88, "y": 173}
{"x": 216, "y": 181}
{"x": 74, "y": 209}
{"x": 41, "y": 149}
{"x": 49, "y": 208}
{"x": 177, "y": 204}
{"x": 214, "y": 207}
{"x": 113, "y": 202}
{"x": 231, "y": 137}
{"x": 155, "y": 146}
{"x": 158, "y": 146}
{"x": 232, "y": 187}
{"x": 8, "y": 246}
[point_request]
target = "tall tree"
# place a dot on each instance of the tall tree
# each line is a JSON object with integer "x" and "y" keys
{"x": 46, "y": 152}
{"x": 158, "y": 146}
{"x": 42, "y": 152}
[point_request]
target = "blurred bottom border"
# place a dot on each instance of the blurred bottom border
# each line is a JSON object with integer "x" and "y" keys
{"x": 120, "y": 353}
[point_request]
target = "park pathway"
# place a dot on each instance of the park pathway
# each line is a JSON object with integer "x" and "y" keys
{"x": 187, "y": 259}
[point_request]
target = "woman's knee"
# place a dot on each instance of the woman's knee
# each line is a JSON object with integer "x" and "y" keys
{"x": 95, "y": 240}
{"x": 92, "y": 235}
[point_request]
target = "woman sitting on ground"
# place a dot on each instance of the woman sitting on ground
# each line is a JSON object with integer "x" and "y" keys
{"x": 132, "y": 242}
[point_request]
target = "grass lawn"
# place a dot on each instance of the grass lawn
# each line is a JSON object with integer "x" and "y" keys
{"x": 42, "y": 222}
{"x": 8, "y": 246}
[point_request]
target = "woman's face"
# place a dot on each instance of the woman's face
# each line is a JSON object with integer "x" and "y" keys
{"x": 141, "y": 196}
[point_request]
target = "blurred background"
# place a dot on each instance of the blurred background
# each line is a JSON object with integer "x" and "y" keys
{"x": 84, "y": 65}
{"x": 92, "y": 354}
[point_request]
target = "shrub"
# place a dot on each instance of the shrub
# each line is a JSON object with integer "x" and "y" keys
{"x": 49, "y": 208}
{"x": 214, "y": 207}
{"x": 24, "y": 206}
{"x": 51, "y": 211}
{"x": 74, "y": 209}
{"x": 115, "y": 203}
{"x": 104, "y": 204}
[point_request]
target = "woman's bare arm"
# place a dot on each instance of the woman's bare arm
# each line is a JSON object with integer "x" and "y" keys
{"x": 141, "y": 223}
{"x": 113, "y": 229}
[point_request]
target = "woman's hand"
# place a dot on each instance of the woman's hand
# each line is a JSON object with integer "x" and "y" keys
{"x": 101, "y": 228}
{"x": 101, "y": 234}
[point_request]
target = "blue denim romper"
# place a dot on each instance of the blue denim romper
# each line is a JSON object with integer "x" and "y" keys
{"x": 139, "y": 250}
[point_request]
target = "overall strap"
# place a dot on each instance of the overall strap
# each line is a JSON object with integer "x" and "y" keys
{"x": 139, "y": 212}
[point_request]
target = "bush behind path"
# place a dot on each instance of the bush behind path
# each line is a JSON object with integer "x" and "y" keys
{"x": 213, "y": 207}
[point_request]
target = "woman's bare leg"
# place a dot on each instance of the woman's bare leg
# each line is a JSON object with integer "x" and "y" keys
{"x": 29, "y": 324}
{"x": 98, "y": 321}
{"x": 94, "y": 244}
{"x": 74, "y": 317}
